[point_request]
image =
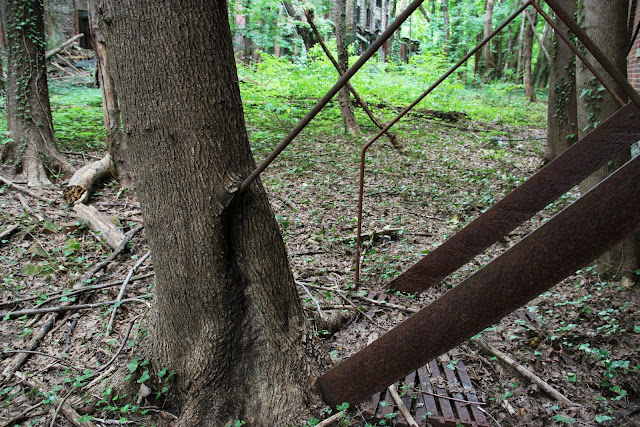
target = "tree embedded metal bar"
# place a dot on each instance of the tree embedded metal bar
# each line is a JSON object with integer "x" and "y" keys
{"x": 593, "y": 224}
{"x": 582, "y": 159}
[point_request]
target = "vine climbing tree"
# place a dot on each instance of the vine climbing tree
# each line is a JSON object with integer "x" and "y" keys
{"x": 31, "y": 144}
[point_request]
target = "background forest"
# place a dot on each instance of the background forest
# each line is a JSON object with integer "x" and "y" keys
{"x": 113, "y": 301}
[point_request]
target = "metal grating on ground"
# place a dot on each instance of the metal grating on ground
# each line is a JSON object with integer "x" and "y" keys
{"x": 435, "y": 394}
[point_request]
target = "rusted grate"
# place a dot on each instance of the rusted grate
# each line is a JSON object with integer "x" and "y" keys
{"x": 436, "y": 394}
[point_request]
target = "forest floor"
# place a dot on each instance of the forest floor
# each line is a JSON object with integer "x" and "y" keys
{"x": 584, "y": 341}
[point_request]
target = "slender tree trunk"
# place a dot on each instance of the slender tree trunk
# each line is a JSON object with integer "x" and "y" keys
{"x": 29, "y": 123}
{"x": 520, "y": 47}
{"x": 344, "y": 100}
{"x": 489, "y": 65}
{"x": 447, "y": 31}
{"x": 562, "y": 109}
{"x": 527, "y": 46}
{"x": 606, "y": 24}
{"x": 116, "y": 142}
{"x": 542, "y": 63}
{"x": 226, "y": 315}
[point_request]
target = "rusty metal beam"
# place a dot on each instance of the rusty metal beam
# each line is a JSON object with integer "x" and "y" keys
{"x": 573, "y": 238}
{"x": 582, "y": 159}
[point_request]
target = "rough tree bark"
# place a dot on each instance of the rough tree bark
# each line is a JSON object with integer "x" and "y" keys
{"x": 606, "y": 23}
{"x": 29, "y": 124}
{"x": 226, "y": 315}
{"x": 489, "y": 65}
{"x": 344, "y": 100}
{"x": 527, "y": 45}
{"x": 562, "y": 112}
{"x": 116, "y": 142}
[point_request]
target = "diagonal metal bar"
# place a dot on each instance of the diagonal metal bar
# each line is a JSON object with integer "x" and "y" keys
{"x": 577, "y": 235}
{"x": 597, "y": 53}
{"x": 582, "y": 159}
{"x": 400, "y": 115}
{"x": 331, "y": 93}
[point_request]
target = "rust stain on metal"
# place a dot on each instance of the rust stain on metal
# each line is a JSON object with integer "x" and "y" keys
{"x": 569, "y": 169}
{"x": 590, "y": 226}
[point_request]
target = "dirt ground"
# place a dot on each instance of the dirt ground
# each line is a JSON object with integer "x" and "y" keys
{"x": 584, "y": 341}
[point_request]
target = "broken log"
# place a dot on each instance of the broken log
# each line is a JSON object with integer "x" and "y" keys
{"x": 60, "y": 47}
{"x": 81, "y": 183}
{"x": 98, "y": 223}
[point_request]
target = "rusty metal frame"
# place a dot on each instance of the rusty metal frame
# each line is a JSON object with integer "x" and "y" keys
{"x": 574, "y": 165}
{"x": 594, "y": 223}
{"x": 573, "y": 26}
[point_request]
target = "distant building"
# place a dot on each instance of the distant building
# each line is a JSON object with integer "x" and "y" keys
{"x": 633, "y": 64}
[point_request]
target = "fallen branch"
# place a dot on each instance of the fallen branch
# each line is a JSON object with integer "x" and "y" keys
{"x": 98, "y": 223}
{"x": 21, "y": 359}
{"x": 103, "y": 264}
{"x": 52, "y": 295}
{"x": 60, "y": 47}
{"x": 81, "y": 183}
{"x": 369, "y": 300}
{"x": 8, "y": 231}
{"x": 18, "y": 418}
{"x": 331, "y": 419}
{"x": 123, "y": 288}
{"x": 25, "y": 190}
{"x": 39, "y": 353}
{"x": 524, "y": 371}
{"x": 401, "y": 406}
{"x": 63, "y": 308}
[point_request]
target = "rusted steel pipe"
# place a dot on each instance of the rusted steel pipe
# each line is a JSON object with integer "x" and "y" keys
{"x": 580, "y": 55}
{"x": 579, "y": 161}
{"x": 331, "y": 93}
{"x": 589, "y": 227}
{"x": 593, "y": 48}
{"x": 363, "y": 152}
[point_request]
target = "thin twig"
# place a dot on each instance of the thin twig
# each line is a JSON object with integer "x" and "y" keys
{"x": 55, "y": 414}
{"x": 369, "y": 300}
{"x": 123, "y": 289}
{"x": 466, "y": 402}
{"x": 64, "y": 308}
{"x": 401, "y": 406}
{"x": 490, "y": 416}
{"x": 331, "y": 419}
{"x": 25, "y": 190}
{"x": 115, "y": 356}
{"x": 33, "y": 344}
{"x": 312, "y": 298}
{"x": 50, "y": 296}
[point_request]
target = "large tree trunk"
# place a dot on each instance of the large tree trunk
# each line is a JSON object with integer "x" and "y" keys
{"x": 116, "y": 142}
{"x": 488, "y": 17}
{"x": 29, "y": 123}
{"x": 606, "y": 24}
{"x": 226, "y": 315}
{"x": 527, "y": 46}
{"x": 562, "y": 109}
{"x": 344, "y": 100}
